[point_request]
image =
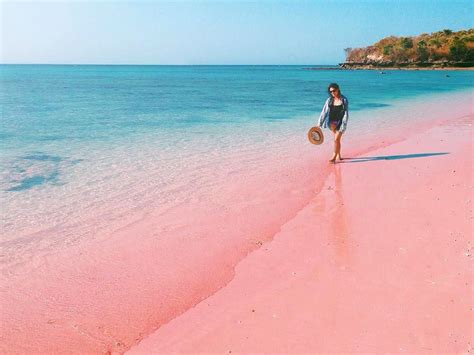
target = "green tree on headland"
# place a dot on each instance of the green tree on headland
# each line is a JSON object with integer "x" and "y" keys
{"x": 406, "y": 42}
{"x": 439, "y": 48}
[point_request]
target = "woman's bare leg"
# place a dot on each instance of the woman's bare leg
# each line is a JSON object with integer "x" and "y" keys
{"x": 332, "y": 127}
{"x": 337, "y": 145}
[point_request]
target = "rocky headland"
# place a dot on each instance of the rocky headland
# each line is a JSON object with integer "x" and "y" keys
{"x": 444, "y": 49}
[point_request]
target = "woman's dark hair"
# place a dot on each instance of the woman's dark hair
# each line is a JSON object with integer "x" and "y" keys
{"x": 333, "y": 86}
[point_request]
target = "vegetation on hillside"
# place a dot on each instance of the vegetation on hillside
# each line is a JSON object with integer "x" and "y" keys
{"x": 444, "y": 47}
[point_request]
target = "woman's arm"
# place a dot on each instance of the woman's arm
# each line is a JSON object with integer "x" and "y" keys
{"x": 324, "y": 113}
{"x": 345, "y": 118}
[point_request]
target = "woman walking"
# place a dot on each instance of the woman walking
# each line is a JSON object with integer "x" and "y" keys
{"x": 334, "y": 115}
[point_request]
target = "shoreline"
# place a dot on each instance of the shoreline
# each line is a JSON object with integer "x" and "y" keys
{"x": 403, "y": 68}
{"x": 342, "y": 276}
{"x": 368, "y": 67}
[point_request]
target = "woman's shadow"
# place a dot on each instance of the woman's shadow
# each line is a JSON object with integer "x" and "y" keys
{"x": 390, "y": 157}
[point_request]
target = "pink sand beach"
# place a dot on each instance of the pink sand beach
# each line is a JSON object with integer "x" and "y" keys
{"x": 379, "y": 261}
{"x": 373, "y": 254}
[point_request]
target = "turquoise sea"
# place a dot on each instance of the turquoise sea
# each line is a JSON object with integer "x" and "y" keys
{"x": 77, "y": 139}
{"x": 48, "y": 107}
{"x": 131, "y": 193}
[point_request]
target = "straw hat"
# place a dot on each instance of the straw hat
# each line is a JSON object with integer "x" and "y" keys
{"x": 315, "y": 135}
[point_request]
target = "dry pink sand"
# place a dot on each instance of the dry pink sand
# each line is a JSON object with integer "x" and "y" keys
{"x": 379, "y": 261}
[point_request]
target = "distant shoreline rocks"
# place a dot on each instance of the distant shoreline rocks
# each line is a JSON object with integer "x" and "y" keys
{"x": 441, "y": 65}
{"x": 382, "y": 68}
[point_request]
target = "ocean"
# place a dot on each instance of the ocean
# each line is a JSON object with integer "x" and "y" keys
{"x": 130, "y": 193}
{"x": 82, "y": 138}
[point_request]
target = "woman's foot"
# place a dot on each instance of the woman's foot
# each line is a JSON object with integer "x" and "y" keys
{"x": 338, "y": 157}
{"x": 333, "y": 159}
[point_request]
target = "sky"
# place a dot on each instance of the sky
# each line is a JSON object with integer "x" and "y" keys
{"x": 213, "y": 32}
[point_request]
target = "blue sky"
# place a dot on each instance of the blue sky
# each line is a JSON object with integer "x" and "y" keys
{"x": 213, "y": 32}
